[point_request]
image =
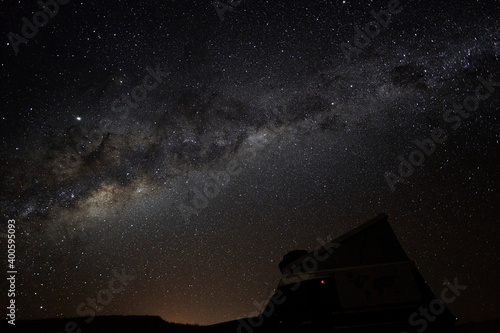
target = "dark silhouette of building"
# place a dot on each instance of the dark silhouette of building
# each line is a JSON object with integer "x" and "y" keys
{"x": 291, "y": 257}
{"x": 362, "y": 281}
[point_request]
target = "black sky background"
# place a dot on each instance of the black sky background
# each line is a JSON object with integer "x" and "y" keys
{"x": 267, "y": 88}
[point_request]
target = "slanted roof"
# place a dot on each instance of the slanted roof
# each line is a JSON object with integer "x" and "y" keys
{"x": 371, "y": 243}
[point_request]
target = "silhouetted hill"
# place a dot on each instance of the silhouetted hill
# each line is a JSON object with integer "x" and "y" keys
{"x": 105, "y": 324}
{"x": 491, "y": 326}
{"x": 152, "y": 324}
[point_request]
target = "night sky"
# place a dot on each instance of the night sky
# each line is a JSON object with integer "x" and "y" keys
{"x": 192, "y": 149}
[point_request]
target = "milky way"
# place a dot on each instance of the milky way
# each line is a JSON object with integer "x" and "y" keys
{"x": 194, "y": 152}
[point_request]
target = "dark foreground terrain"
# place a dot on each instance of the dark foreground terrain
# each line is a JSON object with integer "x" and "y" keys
{"x": 151, "y": 324}
{"x": 105, "y": 324}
